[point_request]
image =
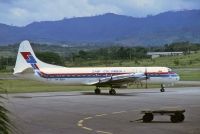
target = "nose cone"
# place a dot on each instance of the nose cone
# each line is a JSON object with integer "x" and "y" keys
{"x": 177, "y": 77}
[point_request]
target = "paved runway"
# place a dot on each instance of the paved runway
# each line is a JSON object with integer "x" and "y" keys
{"x": 85, "y": 113}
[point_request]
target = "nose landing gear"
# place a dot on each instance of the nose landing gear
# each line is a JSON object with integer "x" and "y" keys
{"x": 162, "y": 88}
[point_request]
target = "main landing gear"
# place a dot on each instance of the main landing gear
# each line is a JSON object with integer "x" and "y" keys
{"x": 162, "y": 88}
{"x": 111, "y": 91}
{"x": 97, "y": 91}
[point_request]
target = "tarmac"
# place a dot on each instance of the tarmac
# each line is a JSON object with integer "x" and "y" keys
{"x": 87, "y": 113}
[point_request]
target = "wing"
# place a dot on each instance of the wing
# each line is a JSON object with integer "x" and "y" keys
{"x": 119, "y": 80}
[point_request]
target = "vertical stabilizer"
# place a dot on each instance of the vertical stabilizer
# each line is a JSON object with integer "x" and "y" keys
{"x": 27, "y": 61}
{"x": 25, "y": 58}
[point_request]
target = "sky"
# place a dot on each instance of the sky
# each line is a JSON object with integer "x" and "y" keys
{"x": 23, "y": 12}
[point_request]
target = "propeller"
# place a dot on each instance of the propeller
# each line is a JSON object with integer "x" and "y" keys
{"x": 146, "y": 77}
{"x": 111, "y": 77}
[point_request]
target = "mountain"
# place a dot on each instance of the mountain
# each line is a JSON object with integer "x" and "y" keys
{"x": 167, "y": 27}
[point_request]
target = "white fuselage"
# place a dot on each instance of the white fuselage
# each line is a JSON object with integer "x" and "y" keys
{"x": 86, "y": 76}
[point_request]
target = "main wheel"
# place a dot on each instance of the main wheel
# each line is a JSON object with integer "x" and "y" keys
{"x": 112, "y": 92}
{"x": 97, "y": 91}
{"x": 147, "y": 117}
{"x": 162, "y": 90}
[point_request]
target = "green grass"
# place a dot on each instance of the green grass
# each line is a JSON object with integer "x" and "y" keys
{"x": 182, "y": 61}
{"x": 22, "y": 86}
{"x": 189, "y": 61}
{"x": 189, "y": 74}
{"x": 6, "y": 75}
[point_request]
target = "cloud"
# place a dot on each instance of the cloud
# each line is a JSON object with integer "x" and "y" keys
{"x": 141, "y": 8}
{"x": 23, "y": 12}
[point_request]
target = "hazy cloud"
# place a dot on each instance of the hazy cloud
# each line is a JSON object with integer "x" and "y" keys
{"x": 141, "y": 8}
{"x": 22, "y": 12}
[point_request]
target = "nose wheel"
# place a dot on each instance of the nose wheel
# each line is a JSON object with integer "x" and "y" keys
{"x": 162, "y": 88}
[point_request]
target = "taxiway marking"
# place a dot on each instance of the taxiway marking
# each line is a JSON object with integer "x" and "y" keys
{"x": 80, "y": 123}
{"x": 99, "y": 115}
{"x": 87, "y": 118}
{"x": 119, "y": 112}
{"x": 87, "y": 128}
{"x": 103, "y": 132}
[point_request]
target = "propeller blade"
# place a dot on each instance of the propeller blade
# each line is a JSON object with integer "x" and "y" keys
{"x": 146, "y": 77}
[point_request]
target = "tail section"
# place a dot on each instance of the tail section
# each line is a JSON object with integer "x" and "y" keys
{"x": 26, "y": 58}
{"x": 28, "y": 62}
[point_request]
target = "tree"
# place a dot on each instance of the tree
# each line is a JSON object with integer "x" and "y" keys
{"x": 6, "y": 61}
{"x": 50, "y": 57}
{"x": 176, "y": 62}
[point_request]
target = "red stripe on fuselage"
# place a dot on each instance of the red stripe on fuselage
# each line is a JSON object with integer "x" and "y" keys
{"x": 159, "y": 73}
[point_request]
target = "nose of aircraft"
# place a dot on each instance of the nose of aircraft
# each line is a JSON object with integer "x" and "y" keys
{"x": 177, "y": 77}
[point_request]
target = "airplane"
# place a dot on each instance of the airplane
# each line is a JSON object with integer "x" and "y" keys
{"x": 28, "y": 66}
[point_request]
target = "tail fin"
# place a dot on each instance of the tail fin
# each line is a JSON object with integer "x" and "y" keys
{"x": 27, "y": 61}
{"x": 26, "y": 58}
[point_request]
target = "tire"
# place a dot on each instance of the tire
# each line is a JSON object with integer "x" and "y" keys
{"x": 162, "y": 90}
{"x": 97, "y": 91}
{"x": 112, "y": 92}
{"x": 173, "y": 119}
{"x": 147, "y": 117}
{"x": 180, "y": 117}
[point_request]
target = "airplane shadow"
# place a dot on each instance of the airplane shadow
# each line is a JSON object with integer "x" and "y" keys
{"x": 125, "y": 94}
{"x": 154, "y": 92}
{"x": 91, "y": 93}
{"x": 107, "y": 94}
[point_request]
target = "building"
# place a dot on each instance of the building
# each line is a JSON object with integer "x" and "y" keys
{"x": 159, "y": 54}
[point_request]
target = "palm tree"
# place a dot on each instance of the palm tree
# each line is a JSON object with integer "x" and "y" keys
{"x": 5, "y": 123}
